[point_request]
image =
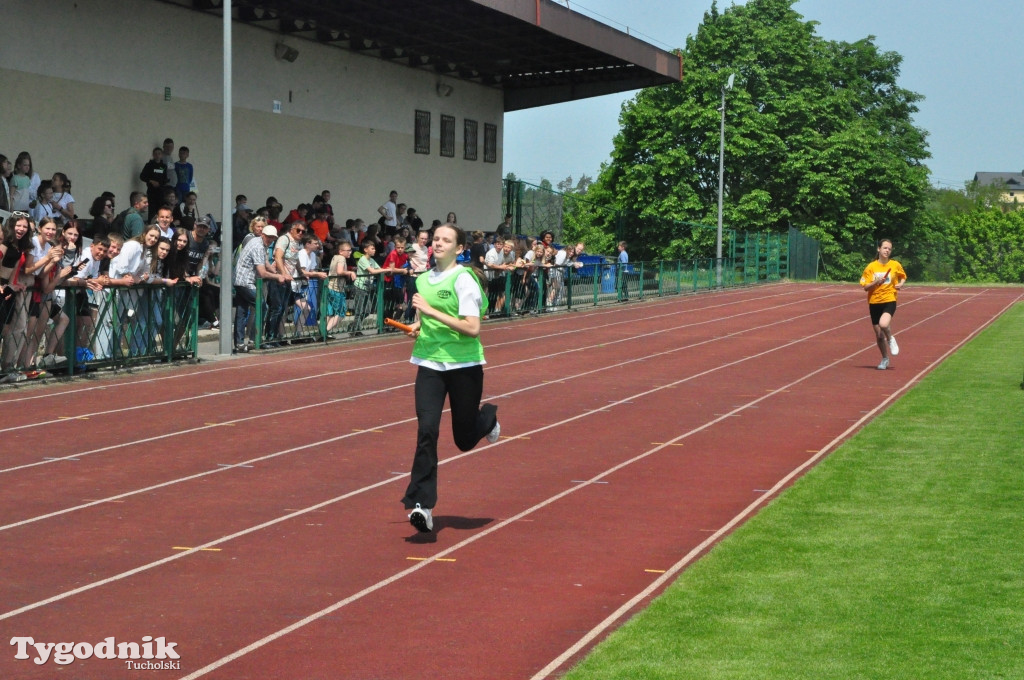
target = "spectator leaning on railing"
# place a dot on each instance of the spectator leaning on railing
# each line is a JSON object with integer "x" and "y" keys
{"x": 397, "y": 260}
{"x": 87, "y": 275}
{"x": 280, "y": 295}
{"x": 304, "y": 292}
{"x": 135, "y": 260}
{"x": 43, "y": 265}
{"x": 15, "y": 249}
{"x": 340, "y": 277}
{"x": 102, "y": 303}
{"x": 366, "y": 286}
{"x": 252, "y": 262}
{"x": 497, "y": 264}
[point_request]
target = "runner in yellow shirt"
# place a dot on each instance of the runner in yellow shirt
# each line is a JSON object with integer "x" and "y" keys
{"x": 882, "y": 279}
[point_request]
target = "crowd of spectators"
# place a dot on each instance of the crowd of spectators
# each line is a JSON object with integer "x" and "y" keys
{"x": 160, "y": 252}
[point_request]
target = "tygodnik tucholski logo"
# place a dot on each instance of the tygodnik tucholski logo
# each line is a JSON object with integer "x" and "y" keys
{"x": 152, "y": 653}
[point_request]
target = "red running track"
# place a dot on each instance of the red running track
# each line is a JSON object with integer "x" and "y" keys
{"x": 248, "y": 510}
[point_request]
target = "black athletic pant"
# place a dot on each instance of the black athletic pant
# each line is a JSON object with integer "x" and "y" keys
{"x": 470, "y": 424}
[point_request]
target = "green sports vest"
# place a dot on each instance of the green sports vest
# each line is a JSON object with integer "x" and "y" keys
{"x": 436, "y": 341}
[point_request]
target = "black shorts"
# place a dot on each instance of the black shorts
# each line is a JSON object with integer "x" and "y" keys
{"x": 877, "y": 309}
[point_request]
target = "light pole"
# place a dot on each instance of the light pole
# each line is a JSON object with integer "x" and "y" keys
{"x": 721, "y": 172}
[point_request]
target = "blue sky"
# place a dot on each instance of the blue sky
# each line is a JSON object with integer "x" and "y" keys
{"x": 962, "y": 56}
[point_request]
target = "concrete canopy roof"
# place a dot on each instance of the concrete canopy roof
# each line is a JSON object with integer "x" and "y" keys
{"x": 536, "y": 51}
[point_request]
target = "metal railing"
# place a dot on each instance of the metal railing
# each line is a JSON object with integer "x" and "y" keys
{"x": 326, "y": 309}
{"x": 119, "y": 327}
{"x": 76, "y": 329}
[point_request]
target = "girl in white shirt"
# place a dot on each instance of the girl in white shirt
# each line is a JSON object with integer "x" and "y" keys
{"x": 304, "y": 293}
{"x": 135, "y": 261}
{"x": 63, "y": 203}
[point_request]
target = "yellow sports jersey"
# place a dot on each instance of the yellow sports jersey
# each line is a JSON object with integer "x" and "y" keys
{"x": 886, "y": 292}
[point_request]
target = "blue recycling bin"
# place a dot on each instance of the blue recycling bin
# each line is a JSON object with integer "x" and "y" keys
{"x": 590, "y": 264}
{"x": 608, "y": 279}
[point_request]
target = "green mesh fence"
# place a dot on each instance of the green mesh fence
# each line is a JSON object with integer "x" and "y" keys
{"x": 75, "y": 329}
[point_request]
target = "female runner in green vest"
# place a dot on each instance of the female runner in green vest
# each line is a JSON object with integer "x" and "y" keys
{"x": 450, "y": 302}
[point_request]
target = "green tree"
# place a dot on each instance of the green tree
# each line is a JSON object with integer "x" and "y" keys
{"x": 587, "y": 209}
{"x": 818, "y": 136}
{"x": 987, "y": 245}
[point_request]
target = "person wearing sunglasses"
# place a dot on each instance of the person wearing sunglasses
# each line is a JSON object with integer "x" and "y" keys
{"x": 279, "y": 295}
{"x": 102, "y": 211}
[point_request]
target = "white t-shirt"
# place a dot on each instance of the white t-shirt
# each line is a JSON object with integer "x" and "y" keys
{"x": 91, "y": 270}
{"x": 307, "y": 262}
{"x": 41, "y": 211}
{"x": 291, "y": 249}
{"x": 63, "y": 200}
{"x": 496, "y": 257}
{"x": 418, "y": 258}
{"x": 39, "y": 251}
{"x": 133, "y": 259}
{"x": 390, "y": 214}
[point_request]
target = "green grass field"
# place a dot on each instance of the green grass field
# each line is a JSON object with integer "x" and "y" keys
{"x": 901, "y": 555}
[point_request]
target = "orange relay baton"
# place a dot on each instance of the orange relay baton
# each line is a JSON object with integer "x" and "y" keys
{"x": 398, "y": 324}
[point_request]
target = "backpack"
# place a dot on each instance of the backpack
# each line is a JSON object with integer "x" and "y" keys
{"x": 117, "y": 226}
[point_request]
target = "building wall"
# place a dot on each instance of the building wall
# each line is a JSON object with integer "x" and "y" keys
{"x": 84, "y": 93}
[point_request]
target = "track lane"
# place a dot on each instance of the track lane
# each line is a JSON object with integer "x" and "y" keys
{"x": 452, "y": 472}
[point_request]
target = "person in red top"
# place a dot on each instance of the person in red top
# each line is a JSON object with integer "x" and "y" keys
{"x": 320, "y": 226}
{"x": 882, "y": 279}
{"x": 395, "y": 285}
{"x": 298, "y": 214}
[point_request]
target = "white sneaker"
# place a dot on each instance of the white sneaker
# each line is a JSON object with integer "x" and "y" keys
{"x": 421, "y": 518}
{"x": 493, "y": 435}
{"x": 51, "y": 361}
{"x": 894, "y": 349}
{"x": 884, "y": 365}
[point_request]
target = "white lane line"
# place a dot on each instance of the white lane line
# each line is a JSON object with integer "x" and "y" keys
{"x": 306, "y": 357}
{"x": 116, "y": 381}
{"x": 659, "y": 582}
{"x": 584, "y": 414}
{"x": 250, "y": 461}
{"x": 539, "y": 506}
{"x": 376, "y": 366}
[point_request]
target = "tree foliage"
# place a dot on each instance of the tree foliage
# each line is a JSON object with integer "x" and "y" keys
{"x": 987, "y": 245}
{"x": 818, "y": 136}
{"x": 963, "y": 235}
{"x": 567, "y": 209}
